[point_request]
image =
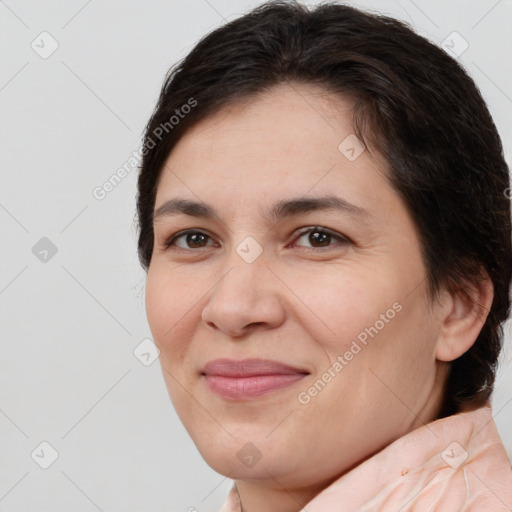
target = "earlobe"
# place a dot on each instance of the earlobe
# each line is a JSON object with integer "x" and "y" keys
{"x": 464, "y": 315}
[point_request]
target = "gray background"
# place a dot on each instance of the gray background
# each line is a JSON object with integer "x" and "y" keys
{"x": 69, "y": 324}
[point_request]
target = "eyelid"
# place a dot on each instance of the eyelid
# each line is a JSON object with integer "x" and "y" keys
{"x": 170, "y": 241}
{"x": 321, "y": 229}
{"x": 190, "y": 231}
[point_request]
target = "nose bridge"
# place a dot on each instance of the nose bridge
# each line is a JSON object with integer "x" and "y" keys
{"x": 249, "y": 250}
{"x": 245, "y": 268}
{"x": 244, "y": 294}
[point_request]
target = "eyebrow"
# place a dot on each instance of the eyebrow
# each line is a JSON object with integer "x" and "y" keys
{"x": 280, "y": 210}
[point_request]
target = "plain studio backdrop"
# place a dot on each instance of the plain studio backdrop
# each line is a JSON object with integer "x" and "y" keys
{"x": 85, "y": 420}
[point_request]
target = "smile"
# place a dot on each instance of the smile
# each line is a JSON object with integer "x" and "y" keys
{"x": 249, "y": 378}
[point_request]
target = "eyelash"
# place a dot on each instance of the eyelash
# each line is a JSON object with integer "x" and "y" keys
{"x": 169, "y": 243}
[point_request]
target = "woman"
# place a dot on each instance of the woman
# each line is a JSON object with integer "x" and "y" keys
{"x": 326, "y": 232}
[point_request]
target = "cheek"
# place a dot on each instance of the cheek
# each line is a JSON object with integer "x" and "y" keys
{"x": 168, "y": 309}
{"x": 337, "y": 307}
{"x": 366, "y": 325}
{"x": 156, "y": 298}
{"x": 396, "y": 363}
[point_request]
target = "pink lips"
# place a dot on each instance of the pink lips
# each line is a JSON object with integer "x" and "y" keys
{"x": 249, "y": 378}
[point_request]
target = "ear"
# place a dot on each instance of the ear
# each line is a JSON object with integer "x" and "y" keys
{"x": 463, "y": 315}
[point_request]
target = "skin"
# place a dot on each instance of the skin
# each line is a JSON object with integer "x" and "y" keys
{"x": 300, "y": 302}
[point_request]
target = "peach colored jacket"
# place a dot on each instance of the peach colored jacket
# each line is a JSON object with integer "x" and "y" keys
{"x": 455, "y": 464}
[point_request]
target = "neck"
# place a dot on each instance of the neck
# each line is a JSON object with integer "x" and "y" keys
{"x": 257, "y": 496}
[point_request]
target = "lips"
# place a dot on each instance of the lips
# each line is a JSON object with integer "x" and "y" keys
{"x": 249, "y": 378}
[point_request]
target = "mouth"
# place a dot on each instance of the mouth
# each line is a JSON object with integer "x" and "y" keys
{"x": 249, "y": 378}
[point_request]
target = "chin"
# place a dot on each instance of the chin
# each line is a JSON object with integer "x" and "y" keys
{"x": 242, "y": 455}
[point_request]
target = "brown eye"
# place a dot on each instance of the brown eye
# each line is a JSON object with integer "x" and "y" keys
{"x": 318, "y": 237}
{"x": 321, "y": 237}
{"x": 192, "y": 240}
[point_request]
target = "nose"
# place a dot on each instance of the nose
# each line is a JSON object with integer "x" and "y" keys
{"x": 246, "y": 298}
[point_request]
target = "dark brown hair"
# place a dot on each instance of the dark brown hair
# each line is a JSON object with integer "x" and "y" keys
{"x": 412, "y": 102}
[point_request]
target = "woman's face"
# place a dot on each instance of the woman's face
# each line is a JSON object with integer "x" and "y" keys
{"x": 337, "y": 293}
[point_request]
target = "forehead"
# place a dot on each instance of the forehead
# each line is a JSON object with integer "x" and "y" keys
{"x": 289, "y": 141}
{"x": 299, "y": 118}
